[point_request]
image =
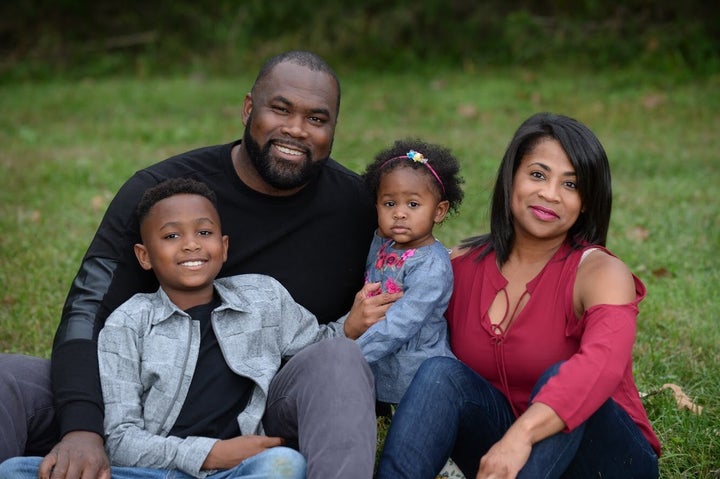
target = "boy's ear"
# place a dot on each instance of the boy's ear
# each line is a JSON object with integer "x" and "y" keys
{"x": 142, "y": 256}
{"x": 226, "y": 243}
{"x": 441, "y": 211}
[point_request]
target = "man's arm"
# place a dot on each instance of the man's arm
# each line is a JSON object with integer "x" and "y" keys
{"x": 108, "y": 275}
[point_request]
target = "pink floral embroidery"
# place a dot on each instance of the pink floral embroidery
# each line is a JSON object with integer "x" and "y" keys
{"x": 407, "y": 254}
{"x": 392, "y": 287}
{"x": 391, "y": 260}
{"x": 380, "y": 261}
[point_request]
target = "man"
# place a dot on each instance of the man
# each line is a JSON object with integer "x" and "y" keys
{"x": 291, "y": 212}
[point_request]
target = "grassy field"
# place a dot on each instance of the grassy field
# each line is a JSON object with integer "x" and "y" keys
{"x": 67, "y": 147}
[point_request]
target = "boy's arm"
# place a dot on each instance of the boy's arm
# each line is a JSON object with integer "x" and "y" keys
{"x": 128, "y": 441}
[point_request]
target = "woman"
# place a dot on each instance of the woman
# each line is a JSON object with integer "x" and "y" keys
{"x": 542, "y": 321}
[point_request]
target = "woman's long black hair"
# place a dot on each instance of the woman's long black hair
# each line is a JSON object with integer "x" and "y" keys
{"x": 589, "y": 159}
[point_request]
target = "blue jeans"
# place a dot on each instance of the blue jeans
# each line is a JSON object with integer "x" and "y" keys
{"x": 322, "y": 402}
{"x": 274, "y": 463}
{"x": 451, "y": 411}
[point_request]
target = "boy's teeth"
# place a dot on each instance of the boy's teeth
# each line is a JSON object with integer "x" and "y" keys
{"x": 192, "y": 263}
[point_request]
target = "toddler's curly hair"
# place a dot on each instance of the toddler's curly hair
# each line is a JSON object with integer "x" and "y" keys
{"x": 440, "y": 162}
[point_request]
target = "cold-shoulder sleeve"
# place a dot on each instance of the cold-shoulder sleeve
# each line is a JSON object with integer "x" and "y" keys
{"x": 602, "y": 366}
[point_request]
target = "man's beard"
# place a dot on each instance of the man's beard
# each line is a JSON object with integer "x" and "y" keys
{"x": 279, "y": 173}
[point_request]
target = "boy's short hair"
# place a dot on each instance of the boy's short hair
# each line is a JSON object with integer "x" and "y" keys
{"x": 172, "y": 187}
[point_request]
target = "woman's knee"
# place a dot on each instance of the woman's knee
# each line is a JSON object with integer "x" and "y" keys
{"x": 545, "y": 377}
{"x": 438, "y": 371}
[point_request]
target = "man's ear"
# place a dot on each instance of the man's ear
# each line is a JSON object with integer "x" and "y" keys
{"x": 247, "y": 108}
{"x": 142, "y": 256}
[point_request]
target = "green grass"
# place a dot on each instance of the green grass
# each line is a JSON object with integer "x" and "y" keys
{"x": 67, "y": 147}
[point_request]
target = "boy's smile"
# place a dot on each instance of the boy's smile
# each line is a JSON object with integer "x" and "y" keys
{"x": 184, "y": 245}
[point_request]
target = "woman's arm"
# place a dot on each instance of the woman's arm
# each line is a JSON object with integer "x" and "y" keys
{"x": 602, "y": 279}
{"x": 509, "y": 454}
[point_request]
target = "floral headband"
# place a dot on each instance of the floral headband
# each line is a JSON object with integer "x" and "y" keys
{"x": 417, "y": 157}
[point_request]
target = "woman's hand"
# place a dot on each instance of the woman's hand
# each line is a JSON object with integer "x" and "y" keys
{"x": 507, "y": 456}
{"x": 505, "y": 459}
{"x": 228, "y": 453}
{"x": 369, "y": 307}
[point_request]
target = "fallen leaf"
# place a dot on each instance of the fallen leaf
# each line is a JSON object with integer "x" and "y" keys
{"x": 98, "y": 203}
{"x": 682, "y": 399}
{"x": 467, "y": 111}
{"x": 638, "y": 233}
{"x": 653, "y": 100}
{"x": 661, "y": 273}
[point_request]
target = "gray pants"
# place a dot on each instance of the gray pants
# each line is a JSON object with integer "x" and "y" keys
{"x": 324, "y": 398}
{"x": 322, "y": 402}
{"x": 27, "y": 425}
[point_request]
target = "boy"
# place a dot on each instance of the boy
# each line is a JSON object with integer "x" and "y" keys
{"x": 185, "y": 371}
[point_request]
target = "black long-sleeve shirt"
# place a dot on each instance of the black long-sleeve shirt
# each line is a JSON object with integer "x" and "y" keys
{"x": 314, "y": 242}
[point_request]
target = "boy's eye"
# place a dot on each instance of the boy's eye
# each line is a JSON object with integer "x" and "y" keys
{"x": 171, "y": 236}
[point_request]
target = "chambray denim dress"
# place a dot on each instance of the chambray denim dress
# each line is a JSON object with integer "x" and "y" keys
{"x": 415, "y": 327}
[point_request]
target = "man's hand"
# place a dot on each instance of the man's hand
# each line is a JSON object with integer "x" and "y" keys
{"x": 228, "y": 453}
{"x": 369, "y": 307}
{"x": 79, "y": 455}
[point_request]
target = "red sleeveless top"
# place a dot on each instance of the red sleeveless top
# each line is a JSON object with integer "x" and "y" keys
{"x": 596, "y": 348}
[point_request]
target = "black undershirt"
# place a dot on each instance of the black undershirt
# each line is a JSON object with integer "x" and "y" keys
{"x": 217, "y": 395}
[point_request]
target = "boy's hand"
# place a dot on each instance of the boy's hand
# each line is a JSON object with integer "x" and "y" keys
{"x": 229, "y": 453}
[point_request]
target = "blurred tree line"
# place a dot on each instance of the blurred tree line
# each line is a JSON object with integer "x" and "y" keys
{"x": 75, "y": 37}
